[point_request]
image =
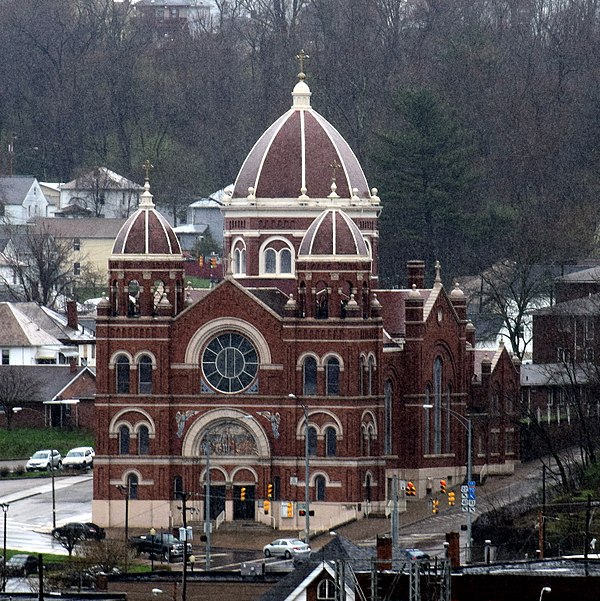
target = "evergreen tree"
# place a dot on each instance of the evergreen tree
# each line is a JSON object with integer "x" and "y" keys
{"x": 428, "y": 176}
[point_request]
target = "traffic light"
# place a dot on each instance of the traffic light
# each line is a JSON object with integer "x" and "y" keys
{"x": 290, "y": 509}
{"x": 267, "y": 506}
{"x": 411, "y": 489}
{"x": 451, "y": 499}
{"x": 269, "y": 490}
{"x": 443, "y": 487}
{"x": 213, "y": 262}
{"x": 435, "y": 506}
{"x": 201, "y": 261}
{"x": 302, "y": 513}
{"x": 243, "y": 493}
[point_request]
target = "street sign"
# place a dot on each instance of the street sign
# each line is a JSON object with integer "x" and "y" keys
{"x": 402, "y": 484}
{"x": 464, "y": 488}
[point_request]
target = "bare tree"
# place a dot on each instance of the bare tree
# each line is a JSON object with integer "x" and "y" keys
{"x": 40, "y": 263}
{"x": 16, "y": 388}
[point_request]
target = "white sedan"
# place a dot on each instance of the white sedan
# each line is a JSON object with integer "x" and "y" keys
{"x": 287, "y": 548}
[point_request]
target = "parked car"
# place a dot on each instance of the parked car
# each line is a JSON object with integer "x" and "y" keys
{"x": 21, "y": 565}
{"x": 161, "y": 544}
{"x": 79, "y": 458}
{"x": 43, "y": 460}
{"x": 414, "y": 554}
{"x": 287, "y": 548}
{"x": 79, "y": 530}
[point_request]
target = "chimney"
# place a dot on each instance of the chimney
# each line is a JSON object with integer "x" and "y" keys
{"x": 72, "y": 321}
{"x": 416, "y": 274}
{"x": 73, "y": 364}
{"x": 384, "y": 552}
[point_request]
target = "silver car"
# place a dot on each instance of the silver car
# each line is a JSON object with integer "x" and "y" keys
{"x": 287, "y": 548}
{"x": 44, "y": 460}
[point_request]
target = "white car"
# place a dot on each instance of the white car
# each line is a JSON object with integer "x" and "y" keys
{"x": 44, "y": 460}
{"x": 79, "y": 458}
{"x": 287, "y": 548}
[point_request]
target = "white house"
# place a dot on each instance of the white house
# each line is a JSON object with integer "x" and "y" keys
{"x": 21, "y": 198}
{"x": 99, "y": 193}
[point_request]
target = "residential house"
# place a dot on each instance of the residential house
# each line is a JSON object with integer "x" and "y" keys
{"x": 62, "y": 397}
{"x": 35, "y": 335}
{"x": 203, "y": 217}
{"x": 169, "y": 18}
{"x": 91, "y": 240}
{"x": 21, "y": 198}
{"x": 99, "y": 192}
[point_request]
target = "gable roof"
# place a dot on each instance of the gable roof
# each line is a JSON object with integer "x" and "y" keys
{"x": 338, "y": 549}
{"x": 110, "y": 181}
{"x": 92, "y": 227}
{"x": 14, "y": 189}
{"x": 53, "y": 380}
{"x": 20, "y": 329}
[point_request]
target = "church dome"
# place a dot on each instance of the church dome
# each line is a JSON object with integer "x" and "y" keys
{"x": 146, "y": 232}
{"x": 301, "y": 155}
{"x": 333, "y": 235}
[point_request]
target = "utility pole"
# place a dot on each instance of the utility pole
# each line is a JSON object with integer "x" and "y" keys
{"x": 184, "y": 496}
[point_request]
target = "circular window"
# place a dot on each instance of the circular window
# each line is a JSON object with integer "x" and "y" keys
{"x": 230, "y": 362}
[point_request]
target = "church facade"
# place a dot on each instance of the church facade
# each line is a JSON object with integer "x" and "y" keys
{"x": 297, "y": 364}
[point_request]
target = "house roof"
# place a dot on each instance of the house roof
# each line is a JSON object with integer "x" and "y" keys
{"x": 19, "y": 329}
{"x": 14, "y": 189}
{"x": 29, "y": 324}
{"x": 339, "y": 548}
{"x": 555, "y": 374}
{"x": 588, "y": 305}
{"x": 53, "y": 380}
{"x": 110, "y": 181}
{"x": 94, "y": 227}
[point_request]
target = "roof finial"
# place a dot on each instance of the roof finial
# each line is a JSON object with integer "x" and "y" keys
{"x": 146, "y": 167}
{"x": 438, "y": 272}
{"x": 301, "y": 57}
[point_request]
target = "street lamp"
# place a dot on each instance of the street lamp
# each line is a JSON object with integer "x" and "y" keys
{"x": 466, "y": 423}
{"x": 546, "y": 589}
{"x": 4, "y": 507}
{"x": 306, "y": 472}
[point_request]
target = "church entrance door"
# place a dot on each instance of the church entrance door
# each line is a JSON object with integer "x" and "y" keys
{"x": 217, "y": 500}
{"x": 243, "y": 509}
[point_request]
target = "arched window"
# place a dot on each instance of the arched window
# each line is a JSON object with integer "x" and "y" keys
{"x": 309, "y": 376}
{"x": 239, "y": 261}
{"x": 270, "y": 261}
{"x": 145, "y": 375}
{"x": 177, "y": 487}
{"x": 321, "y": 301}
{"x": 427, "y": 424}
{"x": 133, "y": 306}
{"x": 388, "y": 391}
{"x": 277, "y": 258}
{"x": 332, "y": 372}
{"x": 285, "y": 259}
{"x": 123, "y": 440}
{"x": 371, "y": 377}
{"x": 447, "y": 417}
{"x": 437, "y": 406}
{"x": 312, "y": 440}
{"x": 368, "y": 487}
{"x": 143, "y": 440}
{"x": 326, "y": 590}
{"x": 320, "y": 488}
{"x": 159, "y": 293}
{"x": 330, "y": 442}
{"x": 132, "y": 486}
{"x": 122, "y": 373}
{"x": 362, "y": 368}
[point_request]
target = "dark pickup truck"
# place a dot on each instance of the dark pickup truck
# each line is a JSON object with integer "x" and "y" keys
{"x": 161, "y": 544}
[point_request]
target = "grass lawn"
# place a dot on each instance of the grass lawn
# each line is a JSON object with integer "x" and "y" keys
{"x": 22, "y": 443}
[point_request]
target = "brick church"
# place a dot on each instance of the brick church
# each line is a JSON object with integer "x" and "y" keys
{"x": 297, "y": 353}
